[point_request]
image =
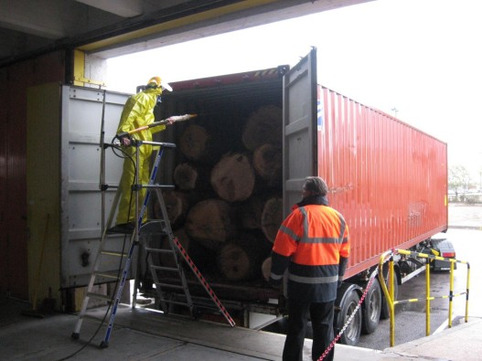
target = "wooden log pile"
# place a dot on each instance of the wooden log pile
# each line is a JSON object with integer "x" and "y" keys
{"x": 227, "y": 199}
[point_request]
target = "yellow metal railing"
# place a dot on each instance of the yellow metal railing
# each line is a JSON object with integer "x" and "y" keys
{"x": 390, "y": 293}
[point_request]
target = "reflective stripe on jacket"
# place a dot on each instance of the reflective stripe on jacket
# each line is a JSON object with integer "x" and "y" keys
{"x": 310, "y": 242}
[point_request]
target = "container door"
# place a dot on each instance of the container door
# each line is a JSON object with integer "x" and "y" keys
{"x": 82, "y": 112}
{"x": 299, "y": 128}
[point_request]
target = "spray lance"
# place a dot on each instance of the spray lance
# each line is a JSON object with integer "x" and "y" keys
{"x": 170, "y": 120}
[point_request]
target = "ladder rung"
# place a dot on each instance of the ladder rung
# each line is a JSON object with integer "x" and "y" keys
{"x": 99, "y": 296}
{"x": 107, "y": 275}
{"x": 113, "y": 253}
{"x": 169, "y": 285}
{"x": 159, "y": 250}
{"x": 163, "y": 268}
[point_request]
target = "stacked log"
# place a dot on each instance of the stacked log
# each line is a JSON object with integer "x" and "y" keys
{"x": 232, "y": 178}
{"x": 272, "y": 217}
{"x": 210, "y": 223}
{"x": 228, "y": 184}
{"x": 266, "y": 268}
{"x": 263, "y": 126}
{"x": 194, "y": 142}
{"x": 198, "y": 254}
{"x": 267, "y": 161}
{"x": 241, "y": 259}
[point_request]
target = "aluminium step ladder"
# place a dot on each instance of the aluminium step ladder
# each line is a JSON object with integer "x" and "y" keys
{"x": 162, "y": 246}
{"x": 161, "y": 227}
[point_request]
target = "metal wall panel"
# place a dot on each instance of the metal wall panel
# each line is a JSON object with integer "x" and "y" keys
{"x": 81, "y": 206}
{"x": 387, "y": 178}
{"x": 299, "y": 122}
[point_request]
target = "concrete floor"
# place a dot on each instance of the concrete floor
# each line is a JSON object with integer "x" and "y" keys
{"x": 140, "y": 334}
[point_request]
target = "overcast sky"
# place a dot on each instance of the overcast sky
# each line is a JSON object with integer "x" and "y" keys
{"x": 421, "y": 57}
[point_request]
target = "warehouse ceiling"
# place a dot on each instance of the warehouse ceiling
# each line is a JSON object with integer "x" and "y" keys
{"x": 110, "y": 28}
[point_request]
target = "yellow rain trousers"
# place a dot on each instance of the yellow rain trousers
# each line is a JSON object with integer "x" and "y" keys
{"x": 138, "y": 111}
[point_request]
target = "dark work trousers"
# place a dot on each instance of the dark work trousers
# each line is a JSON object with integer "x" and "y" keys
{"x": 322, "y": 323}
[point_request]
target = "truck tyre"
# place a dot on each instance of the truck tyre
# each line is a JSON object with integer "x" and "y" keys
{"x": 385, "y": 314}
{"x": 372, "y": 308}
{"x": 348, "y": 302}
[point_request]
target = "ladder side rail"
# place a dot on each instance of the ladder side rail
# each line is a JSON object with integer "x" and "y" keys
{"x": 118, "y": 294}
{"x": 155, "y": 277}
{"x": 134, "y": 241}
{"x": 152, "y": 179}
{"x": 170, "y": 236}
{"x": 95, "y": 268}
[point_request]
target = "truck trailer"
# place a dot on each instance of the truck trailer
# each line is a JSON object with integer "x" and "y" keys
{"x": 387, "y": 178}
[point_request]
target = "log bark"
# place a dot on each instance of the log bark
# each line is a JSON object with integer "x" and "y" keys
{"x": 241, "y": 259}
{"x": 267, "y": 161}
{"x": 272, "y": 218}
{"x": 233, "y": 178}
{"x": 263, "y": 126}
{"x": 210, "y": 223}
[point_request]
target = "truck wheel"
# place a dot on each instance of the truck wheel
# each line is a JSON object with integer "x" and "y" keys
{"x": 372, "y": 308}
{"x": 351, "y": 336}
{"x": 385, "y": 310}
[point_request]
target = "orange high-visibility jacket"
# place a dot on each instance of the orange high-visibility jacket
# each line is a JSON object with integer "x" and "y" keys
{"x": 311, "y": 241}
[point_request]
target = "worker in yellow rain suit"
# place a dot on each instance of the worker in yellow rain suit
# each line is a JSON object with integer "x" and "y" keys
{"x": 138, "y": 112}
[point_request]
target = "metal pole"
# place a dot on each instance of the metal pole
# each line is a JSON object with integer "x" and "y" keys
{"x": 391, "y": 302}
{"x": 467, "y": 294}
{"x": 102, "y": 166}
{"x": 427, "y": 302}
{"x": 451, "y": 294}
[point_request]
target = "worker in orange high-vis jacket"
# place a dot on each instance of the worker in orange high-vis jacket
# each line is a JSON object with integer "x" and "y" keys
{"x": 313, "y": 244}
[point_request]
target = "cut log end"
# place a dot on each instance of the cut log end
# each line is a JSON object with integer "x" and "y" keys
{"x": 272, "y": 218}
{"x": 209, "y": 222}
{"x": 232, "y": 178}
{"x": 263, "y": 126}
{"x": 185, "y": 176}
{"x": 193, "y": 142}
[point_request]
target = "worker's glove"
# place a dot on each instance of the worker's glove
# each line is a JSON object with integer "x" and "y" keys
{"x": 340, "y": 281}
{"x": 171, "y": 120}
{"x": 124, "y": 139}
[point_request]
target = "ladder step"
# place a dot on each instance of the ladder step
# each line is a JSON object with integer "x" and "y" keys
{"x": 99, "y": 296}
{"x": 160, "y": 250}
{"x": 163, "y": 268}
{"x": 111, "y": 276}
{"x": 113, "y": 253}
{"x": 169, "y": 285}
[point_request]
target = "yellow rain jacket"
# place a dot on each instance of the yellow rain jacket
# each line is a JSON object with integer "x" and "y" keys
{"x": 138, "y": 111}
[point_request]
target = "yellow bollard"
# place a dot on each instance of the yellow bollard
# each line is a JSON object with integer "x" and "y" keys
{"x": 427, "y": 302}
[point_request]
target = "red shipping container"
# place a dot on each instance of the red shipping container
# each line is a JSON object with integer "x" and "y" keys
{"x": 387, "y": 178}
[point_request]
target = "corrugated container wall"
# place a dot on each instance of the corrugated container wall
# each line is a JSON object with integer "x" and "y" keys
{"x": 388, "y": 179}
